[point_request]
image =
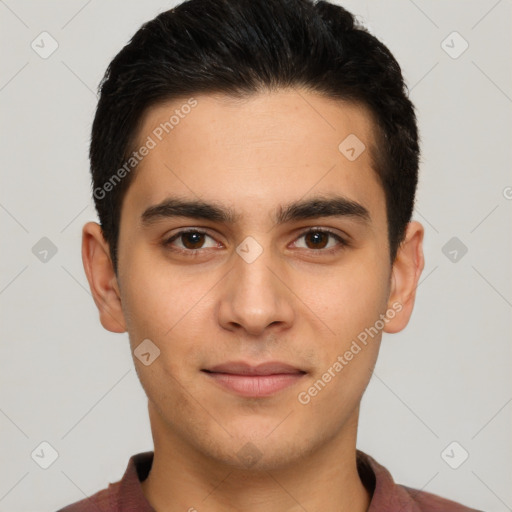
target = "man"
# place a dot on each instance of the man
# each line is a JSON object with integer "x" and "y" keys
{"x": 254, "y": 169}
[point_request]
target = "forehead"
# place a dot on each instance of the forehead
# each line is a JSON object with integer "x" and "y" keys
{"x": 256, "y": 152}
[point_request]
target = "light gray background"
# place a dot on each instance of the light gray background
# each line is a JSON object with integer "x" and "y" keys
{"x": 446, "y": 378}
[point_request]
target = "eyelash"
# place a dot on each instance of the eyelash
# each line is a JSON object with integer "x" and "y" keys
{"x": 342, "y": 243}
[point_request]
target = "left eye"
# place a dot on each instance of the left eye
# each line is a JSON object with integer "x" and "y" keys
{"x": 319, "y": 239}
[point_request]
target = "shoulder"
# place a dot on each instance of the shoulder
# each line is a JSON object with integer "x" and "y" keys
{"x": 388, "y": 496}
{"x": 428, "y": 502}
{"x": 122, "y": 496}
{"x": 103, "y": 500}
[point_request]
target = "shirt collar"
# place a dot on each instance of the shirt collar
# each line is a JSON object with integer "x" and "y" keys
{"x": 386, "y": 496}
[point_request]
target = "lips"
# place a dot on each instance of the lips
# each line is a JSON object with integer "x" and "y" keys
{"x": 241, "y": 368}
{"x": 260, "y": 380}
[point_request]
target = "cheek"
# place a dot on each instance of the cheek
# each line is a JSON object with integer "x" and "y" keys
{"x": 346, "y": 364}
{"x": 350, "y": 298}
{"x": 160, "y": 305}
{"x": 169, "y": 392}
{"x": 350, "y": 303}
{"x": 157, "y": 298}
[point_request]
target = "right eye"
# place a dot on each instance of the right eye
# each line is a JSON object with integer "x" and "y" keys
{"x": 191, "y": 241}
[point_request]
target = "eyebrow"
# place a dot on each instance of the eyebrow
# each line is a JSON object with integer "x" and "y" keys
{"x": 336, "y": 206}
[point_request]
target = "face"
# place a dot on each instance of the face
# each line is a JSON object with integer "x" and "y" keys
{"x": 253, "y": 256}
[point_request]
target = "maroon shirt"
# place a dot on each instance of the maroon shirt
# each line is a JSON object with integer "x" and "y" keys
{"x": 127, "y": 496}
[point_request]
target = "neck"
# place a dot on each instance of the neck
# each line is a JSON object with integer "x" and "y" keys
{"x": 184, "y": 479}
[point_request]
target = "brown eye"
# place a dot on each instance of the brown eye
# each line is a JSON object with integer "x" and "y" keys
{"x": 192, "y": 240}
{"x": 318, "y": 239}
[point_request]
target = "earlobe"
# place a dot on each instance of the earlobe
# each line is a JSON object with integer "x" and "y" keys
{"x": 102, "y": 278}
{"x": 406, "y": 272}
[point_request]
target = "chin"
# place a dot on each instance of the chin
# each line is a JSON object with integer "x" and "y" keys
{"x": 253, "y": 457}
{"x": 258, "y": 451}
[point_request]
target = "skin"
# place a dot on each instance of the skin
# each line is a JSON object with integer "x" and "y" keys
{"x": 296, "y": 303}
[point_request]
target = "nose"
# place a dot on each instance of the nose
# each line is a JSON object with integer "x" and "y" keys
{"x": 254, "y": 298}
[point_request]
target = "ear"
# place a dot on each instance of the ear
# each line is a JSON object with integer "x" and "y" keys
{"x": 102, "y": 278}
{"x": 406, "y": 272}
